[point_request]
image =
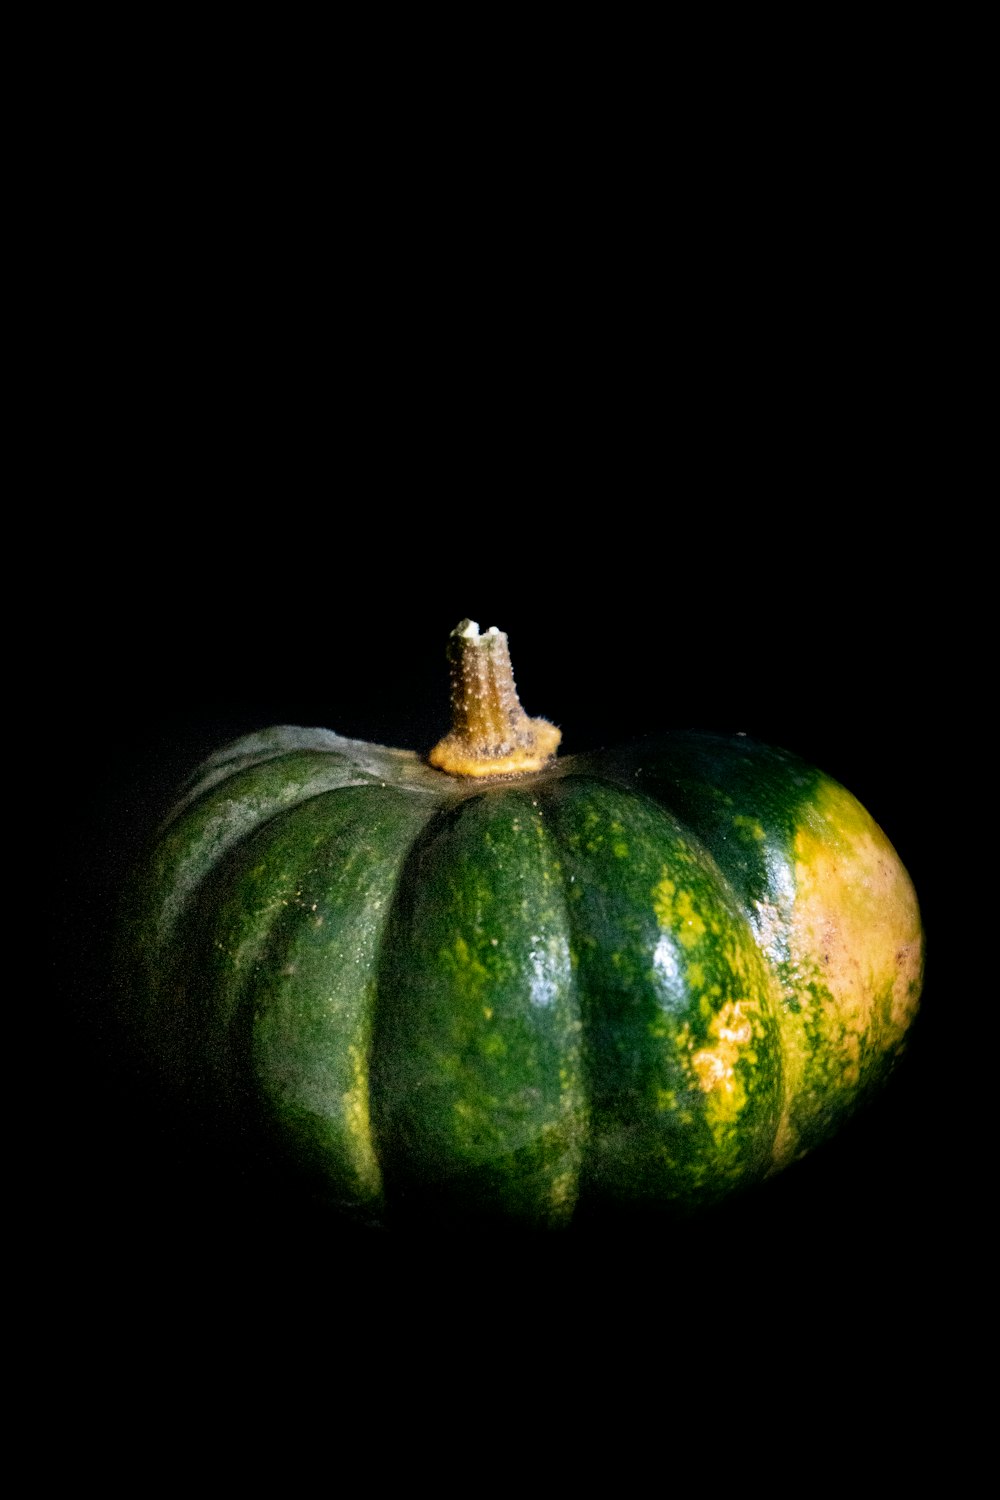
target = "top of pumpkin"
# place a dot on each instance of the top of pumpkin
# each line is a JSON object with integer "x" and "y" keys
{"x": 491, "y": 735}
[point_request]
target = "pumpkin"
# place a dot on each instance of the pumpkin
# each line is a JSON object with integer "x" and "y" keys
{"x": 499, "y": 983}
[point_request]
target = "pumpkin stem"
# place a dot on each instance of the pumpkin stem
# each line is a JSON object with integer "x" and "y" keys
{"x": 491, "y": 735}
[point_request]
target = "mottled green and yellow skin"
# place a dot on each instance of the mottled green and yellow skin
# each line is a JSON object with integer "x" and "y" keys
{"x": 648, "y": 977}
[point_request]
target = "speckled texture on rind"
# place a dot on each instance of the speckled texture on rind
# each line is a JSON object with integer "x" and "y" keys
{"x": 830, "y": 905}
{"x": 648, "y": 976}
{"x": 683, "y": 1062}
{"x": 477, "y": 1064}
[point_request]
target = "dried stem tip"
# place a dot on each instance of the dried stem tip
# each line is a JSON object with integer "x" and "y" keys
{"x": 491, "y": 734}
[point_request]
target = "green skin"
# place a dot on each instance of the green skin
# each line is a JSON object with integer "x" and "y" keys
{"x": 522, "y": 999}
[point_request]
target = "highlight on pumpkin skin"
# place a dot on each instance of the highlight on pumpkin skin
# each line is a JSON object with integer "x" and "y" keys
{"x": 851, "y": 954}
{"x": 491, "y": 735}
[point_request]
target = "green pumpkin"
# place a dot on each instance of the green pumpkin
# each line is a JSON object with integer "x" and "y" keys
{"x": 626, "y": 979}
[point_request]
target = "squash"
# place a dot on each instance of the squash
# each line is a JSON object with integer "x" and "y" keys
{"x": 498, "y": 984}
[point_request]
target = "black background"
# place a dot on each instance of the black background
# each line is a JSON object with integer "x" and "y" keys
{"x": 677, "y": 384}
{"x": 698, "y": 483}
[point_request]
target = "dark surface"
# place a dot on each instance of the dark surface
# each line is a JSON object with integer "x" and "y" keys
{"x": 715, "y": 425}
